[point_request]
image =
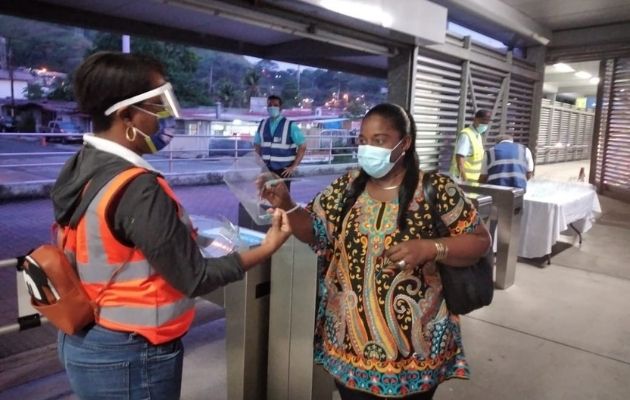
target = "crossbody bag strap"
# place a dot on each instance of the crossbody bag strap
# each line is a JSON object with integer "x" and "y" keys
{"x": 431, "y": 198}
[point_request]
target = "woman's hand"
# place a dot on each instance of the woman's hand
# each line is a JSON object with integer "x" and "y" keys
{"x": 279, "y": 232}
{"x": 274, "y": 191}
{"x": 411, "y": 253}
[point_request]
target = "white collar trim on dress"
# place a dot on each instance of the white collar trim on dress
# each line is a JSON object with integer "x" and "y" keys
{"x": 114, "y": 148}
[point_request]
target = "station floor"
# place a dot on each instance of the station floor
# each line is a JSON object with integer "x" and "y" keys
{"x": 561, "y": 332}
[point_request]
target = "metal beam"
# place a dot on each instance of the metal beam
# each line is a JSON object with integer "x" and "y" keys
{"x": 305, "y": 48}
{"x": 47, "y": 12}
{"x": 591, "y": 43}
{"x": 498, "y": 13}
{"x": 337, "y": 65}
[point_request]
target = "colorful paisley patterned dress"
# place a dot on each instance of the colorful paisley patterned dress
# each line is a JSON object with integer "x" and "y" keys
{"x": 379, "y": 329}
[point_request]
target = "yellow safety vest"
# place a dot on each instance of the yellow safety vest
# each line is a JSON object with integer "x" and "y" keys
{"x": 472, "y": 164}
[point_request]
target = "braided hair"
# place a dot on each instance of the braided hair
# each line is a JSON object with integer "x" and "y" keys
{"x": 403, "y": 123}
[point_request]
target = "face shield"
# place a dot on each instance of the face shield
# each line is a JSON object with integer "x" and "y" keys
{"x": 166, "y": 94}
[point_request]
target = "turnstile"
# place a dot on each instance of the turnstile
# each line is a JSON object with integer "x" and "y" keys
{"x": 509, "y": 205}
{"x": 291, "y": 373}
{"x": 246, "y": 305}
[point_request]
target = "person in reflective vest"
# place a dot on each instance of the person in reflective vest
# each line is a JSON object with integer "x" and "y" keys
{"x": 468, "y": 153}
{"x": 507, "y": 164}
{"x": 279, "y": 142}
{"x": 129, "y": 238}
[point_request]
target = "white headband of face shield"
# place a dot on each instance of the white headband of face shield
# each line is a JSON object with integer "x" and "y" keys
{"x": 166, "y": 94}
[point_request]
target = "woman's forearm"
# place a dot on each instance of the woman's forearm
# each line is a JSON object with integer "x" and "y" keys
{"x": 466, "y": 249}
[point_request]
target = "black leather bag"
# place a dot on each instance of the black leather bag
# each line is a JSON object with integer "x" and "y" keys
{"x": 465, "y": 288}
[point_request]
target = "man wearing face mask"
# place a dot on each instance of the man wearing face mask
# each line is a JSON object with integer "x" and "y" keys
{"x": 468, "y": 154}
{"x": 279, "y": 142}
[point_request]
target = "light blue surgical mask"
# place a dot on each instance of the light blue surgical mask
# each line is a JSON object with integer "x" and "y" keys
{"x": 375, "y": 161}
{"x": 482, "y": 128}
{"x": 273, "y": 111}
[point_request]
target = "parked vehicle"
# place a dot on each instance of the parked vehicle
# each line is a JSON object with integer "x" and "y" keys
{"x": 229, "y": 146}
{"x": 8, "y": 124}
{"x": 64, "y": 127}
{"x": 341, "y": 141}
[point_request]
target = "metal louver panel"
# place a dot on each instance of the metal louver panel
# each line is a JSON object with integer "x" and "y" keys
{"x": 603, "y": 120}
{"x": 435, "y": 107}
{"x": 615, "y": 171}
{"x": 485, "y": 93}
{"x": 565, "y": 133}
{"x": 452, "y": 81}
{"x": 519, "y": 109}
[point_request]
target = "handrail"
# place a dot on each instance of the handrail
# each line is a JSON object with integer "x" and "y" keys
{"x": 186, "y": 153}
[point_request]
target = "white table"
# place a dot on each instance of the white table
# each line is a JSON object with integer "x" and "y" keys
{"x": 550, "y": 208}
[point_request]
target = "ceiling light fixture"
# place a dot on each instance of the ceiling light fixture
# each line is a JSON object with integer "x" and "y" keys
{"x": 594, "y": 80}
{"x": 562, "y": 67}
{"x": 583, "y": 75}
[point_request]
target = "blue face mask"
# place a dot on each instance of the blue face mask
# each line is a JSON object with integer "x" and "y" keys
{"x": 482, "y": 128}
{"x": 273, "y": 111}
{"x": 375, "y": 161}
{"x": 164, "y": 134}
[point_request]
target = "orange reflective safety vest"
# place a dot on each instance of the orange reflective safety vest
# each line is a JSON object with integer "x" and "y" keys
{"x": 138, "y": 299}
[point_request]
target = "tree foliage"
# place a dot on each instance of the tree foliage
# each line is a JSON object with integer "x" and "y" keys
{"x": 199, "y": 76}
{"x": 42, "y": 45}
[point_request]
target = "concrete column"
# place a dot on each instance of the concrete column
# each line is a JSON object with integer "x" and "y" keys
{"x": 400, "y": 72}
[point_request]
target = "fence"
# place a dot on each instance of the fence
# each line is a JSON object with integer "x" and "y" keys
{"x": 30, "y": 157}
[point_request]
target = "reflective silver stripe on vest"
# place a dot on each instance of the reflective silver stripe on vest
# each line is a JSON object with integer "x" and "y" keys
{"x": 279, "y": 145}
{"x": 282, "y": 145}
{"x": 276, "y": 158}
{"x": 99, "y": 269}
{"x": 508, "y": 161}
{"x": 506, "y": 175}
{"x": 94, "y": 272}
{"x": 147, "y": 316}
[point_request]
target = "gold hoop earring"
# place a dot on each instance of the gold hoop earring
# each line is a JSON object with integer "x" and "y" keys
{"x": 129, "y": 137}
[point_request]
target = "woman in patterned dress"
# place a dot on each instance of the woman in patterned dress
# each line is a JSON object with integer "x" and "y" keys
{"x": 383, "y": 329}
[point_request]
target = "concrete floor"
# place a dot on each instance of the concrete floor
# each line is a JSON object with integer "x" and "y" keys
{"x": 561, "y": 332}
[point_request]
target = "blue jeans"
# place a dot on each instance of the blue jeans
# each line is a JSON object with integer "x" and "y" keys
{"x": 104, "y": 364}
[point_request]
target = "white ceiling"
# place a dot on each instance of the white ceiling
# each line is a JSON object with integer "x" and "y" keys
{"x": 567, "y": 83}
{"x": 566, "y": 14}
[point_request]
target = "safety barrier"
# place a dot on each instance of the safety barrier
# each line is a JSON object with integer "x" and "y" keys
{"x": 185, "y": 154}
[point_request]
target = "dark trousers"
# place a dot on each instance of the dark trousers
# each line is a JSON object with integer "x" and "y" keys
{"x": 350, "y": 394}
{"x": 279, "y": 173}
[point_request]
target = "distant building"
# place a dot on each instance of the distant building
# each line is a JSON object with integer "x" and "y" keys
{"x": 41, "y": 112}
{"x": 21, "y": 79}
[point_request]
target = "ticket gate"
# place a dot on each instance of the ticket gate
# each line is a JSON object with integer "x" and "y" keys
{"x": 291, "y": 373}
{"x": 509, "y": 204}
{"x": 246, "y": 305}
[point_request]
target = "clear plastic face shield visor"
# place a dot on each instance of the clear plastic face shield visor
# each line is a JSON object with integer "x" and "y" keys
{"x": 166, "y": 94}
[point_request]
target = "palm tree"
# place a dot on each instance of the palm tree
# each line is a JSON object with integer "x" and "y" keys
{"x": 226, "y": 93}
{"x": 252, "y": 81}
